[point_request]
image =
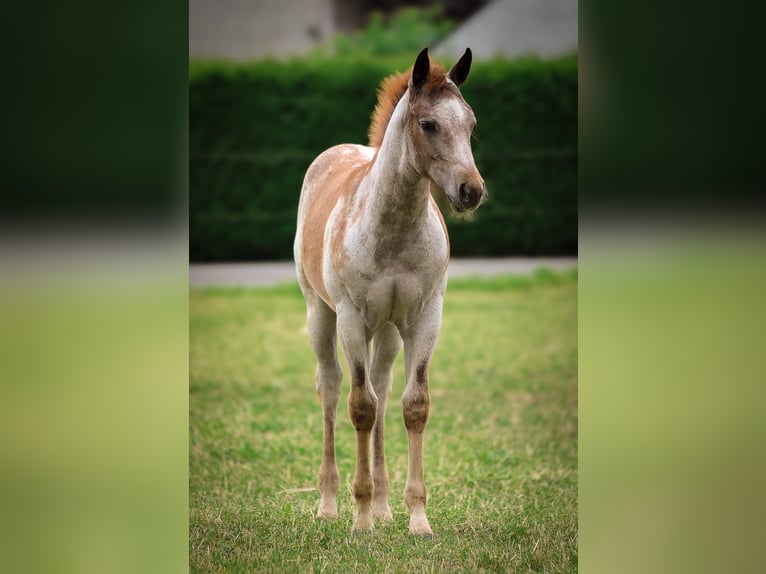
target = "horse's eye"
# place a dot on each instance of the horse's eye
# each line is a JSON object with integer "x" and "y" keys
{"x": 428, "y": 126}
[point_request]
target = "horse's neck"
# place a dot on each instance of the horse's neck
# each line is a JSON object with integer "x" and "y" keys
{"x": 396, "y": 197}
{"x": 397, "y": 194}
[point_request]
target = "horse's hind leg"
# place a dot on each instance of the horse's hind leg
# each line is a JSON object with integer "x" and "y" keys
{"x": 386, "y": 346}
{"x": 322, "y": 334}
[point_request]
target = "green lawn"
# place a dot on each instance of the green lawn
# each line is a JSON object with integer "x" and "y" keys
{"x": 500, "y": 451}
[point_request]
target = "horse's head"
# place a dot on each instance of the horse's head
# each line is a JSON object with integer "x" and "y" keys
{"x": 439, "y": 125}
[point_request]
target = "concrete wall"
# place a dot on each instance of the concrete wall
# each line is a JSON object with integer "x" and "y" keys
{"x": 248, "y": 29}
{"x": 516, "y": 27}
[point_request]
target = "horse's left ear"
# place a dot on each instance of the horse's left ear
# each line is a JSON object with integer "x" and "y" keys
{"x": 459, "y": 71}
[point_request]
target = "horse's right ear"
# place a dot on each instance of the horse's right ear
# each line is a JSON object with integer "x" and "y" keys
{"x": 420, "y": 70}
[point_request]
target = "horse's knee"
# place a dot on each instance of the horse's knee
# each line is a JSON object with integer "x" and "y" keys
{"x": 415, "y": 408}
{"x": 362, "y": 403}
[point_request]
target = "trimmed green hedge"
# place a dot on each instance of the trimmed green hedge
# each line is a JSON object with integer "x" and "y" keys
{"x": 255, "y": 128}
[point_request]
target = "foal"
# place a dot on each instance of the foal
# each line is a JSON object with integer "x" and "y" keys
{"x": 371, "y": 253}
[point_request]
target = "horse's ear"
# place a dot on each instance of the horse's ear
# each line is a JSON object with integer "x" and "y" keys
{"x": 420, "y": 70}
{"x": 459, "y": 71}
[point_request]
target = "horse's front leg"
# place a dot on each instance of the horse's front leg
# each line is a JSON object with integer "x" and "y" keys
{"x": 419, "y": 343}
{"x": 362, "y": 406}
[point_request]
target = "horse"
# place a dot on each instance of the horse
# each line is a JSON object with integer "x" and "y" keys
{"x": 371, "y": 253}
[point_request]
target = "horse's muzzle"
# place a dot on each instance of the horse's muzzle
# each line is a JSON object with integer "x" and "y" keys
{"x": 470, "y": 196}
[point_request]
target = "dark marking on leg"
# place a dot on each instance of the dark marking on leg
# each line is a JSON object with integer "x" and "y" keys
{"x": 416, "y": 403}
{"x": 362, "y": 403}
{"x": 421, "y": 375}
{"x": 358, "y": 377}
{"x": 414, "y": 496}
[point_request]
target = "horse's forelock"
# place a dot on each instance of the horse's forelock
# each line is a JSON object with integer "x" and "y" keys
{"x": 391, "y": 90}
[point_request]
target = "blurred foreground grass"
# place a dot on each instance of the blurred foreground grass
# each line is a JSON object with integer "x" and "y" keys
{"x": 501, "y": 443}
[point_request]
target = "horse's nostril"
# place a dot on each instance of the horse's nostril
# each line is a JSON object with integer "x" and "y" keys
{"x": 463, "y": 193}
{"x": 469, "y": 196}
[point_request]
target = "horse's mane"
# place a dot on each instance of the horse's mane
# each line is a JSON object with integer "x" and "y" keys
{"x": 391, "y": 90}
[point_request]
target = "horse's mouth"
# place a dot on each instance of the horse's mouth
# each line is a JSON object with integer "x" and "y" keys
{"x": 461, "y": 211}
{"x": 456, "y": 206}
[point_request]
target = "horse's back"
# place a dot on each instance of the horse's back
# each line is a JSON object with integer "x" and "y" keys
{"x": 324, "y": 177}
{"x": 334, "y": 174}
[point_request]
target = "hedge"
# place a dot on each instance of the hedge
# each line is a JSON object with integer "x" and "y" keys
{"x": 255, "y": 128}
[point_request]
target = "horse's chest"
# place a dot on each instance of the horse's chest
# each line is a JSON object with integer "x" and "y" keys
{"x": 394, "y": 298}
{"x": 389, "y": 274}
{"x": 393, "y": 292}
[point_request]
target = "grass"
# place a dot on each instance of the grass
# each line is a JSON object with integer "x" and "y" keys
{"x": 500, "y": 452}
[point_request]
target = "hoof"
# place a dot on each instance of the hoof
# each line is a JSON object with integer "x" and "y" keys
{"x": 383, "y": 512}
{"x": 419, "y": 526}
{"x": 363, "y": 523}
{"x": 328, "y": 510}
